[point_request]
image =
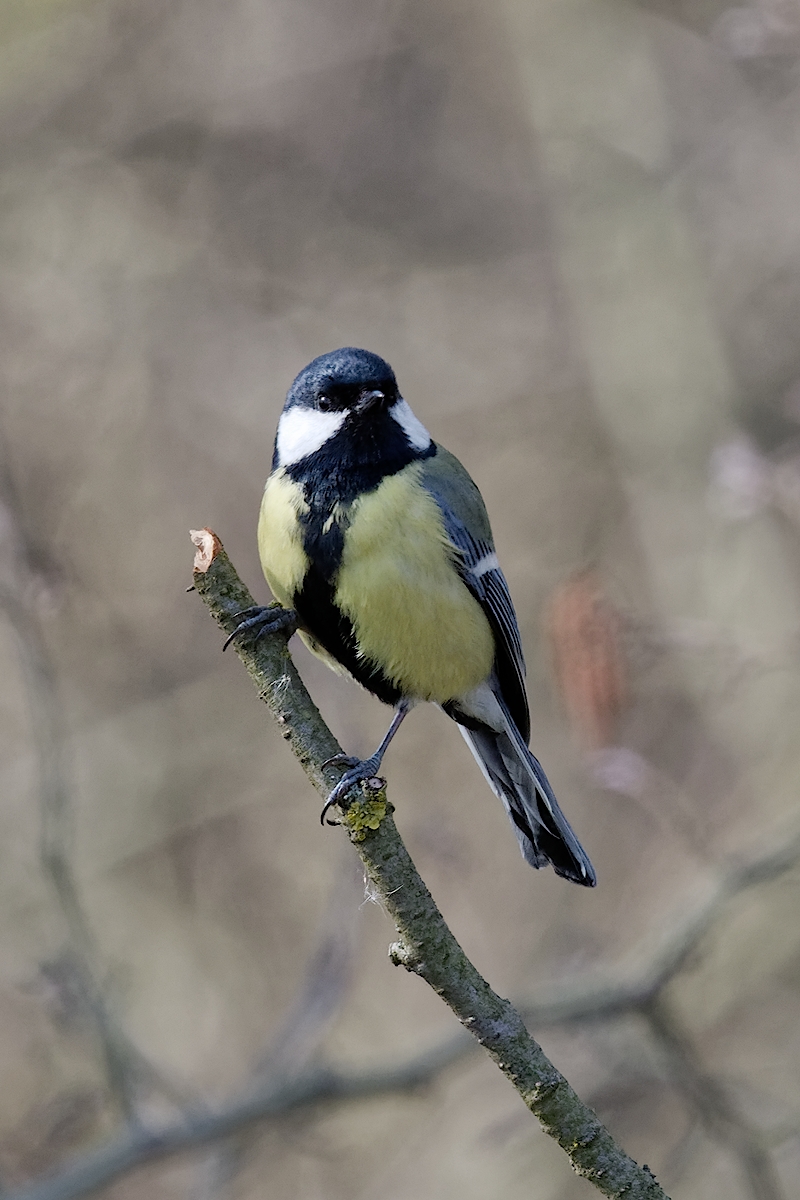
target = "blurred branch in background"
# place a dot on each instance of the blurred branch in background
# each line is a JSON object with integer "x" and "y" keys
{"x": 284, "y": 1083}
{"x": 77, "y": 974}
{"x": 583, "y": 1001}
{"x": 297, "y": 1043}
{"x": 572, "y": 228}
{"x": 18, "y": 593}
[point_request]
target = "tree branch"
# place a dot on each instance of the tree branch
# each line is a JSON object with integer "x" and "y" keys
{"x": 426, "y": 946}
{"x": 274, "y": 1094}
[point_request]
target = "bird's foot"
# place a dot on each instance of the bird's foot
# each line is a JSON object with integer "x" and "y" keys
{"x": 360, "y": 770}
{"x": 261, "y": 620}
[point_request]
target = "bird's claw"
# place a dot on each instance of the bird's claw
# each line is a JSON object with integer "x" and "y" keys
{"x": 341, "y": 760}
{"x": 261, "y": 620}
{"x": 360, "y": 771}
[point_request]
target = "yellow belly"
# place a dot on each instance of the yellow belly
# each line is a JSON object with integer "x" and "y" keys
{"x": 280, "y": 540}
{"x": 410, "y": 611}
{"x": 280, "y": 548}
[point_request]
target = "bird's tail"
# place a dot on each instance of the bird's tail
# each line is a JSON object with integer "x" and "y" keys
{"x": 513, "y": 774}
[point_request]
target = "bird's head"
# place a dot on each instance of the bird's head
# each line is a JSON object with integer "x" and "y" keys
{"x": 351, "y": 396}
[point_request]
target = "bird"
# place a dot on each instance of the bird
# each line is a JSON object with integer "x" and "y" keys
{"x": 376, "y": 543}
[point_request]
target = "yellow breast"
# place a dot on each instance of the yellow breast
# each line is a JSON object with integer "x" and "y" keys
{"x": 280, "y": 541}
{"x": 410, "y": 611}
{"x": 280, "y": 548}
{"x": 411, "y": 614}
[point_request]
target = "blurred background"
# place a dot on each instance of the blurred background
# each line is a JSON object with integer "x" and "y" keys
{"x": 573, "y": 229}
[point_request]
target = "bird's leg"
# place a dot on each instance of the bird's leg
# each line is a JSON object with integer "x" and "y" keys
{"x": 261, "y": 620}
{"x": 361, "y": 768}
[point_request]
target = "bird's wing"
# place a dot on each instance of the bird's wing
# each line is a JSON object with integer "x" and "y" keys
{"x": 467, "y": 527}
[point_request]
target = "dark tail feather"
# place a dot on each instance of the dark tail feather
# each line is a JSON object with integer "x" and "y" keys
{"x": 543, "y": 832}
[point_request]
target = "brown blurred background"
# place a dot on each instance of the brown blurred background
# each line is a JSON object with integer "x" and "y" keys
{"x": 573, "y": 228}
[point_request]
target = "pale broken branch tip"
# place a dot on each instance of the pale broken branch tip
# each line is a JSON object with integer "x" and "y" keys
{"x": 208, "y": 547}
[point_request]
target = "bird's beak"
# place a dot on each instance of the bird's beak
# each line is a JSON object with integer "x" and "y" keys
{"x": 370, "y": 398}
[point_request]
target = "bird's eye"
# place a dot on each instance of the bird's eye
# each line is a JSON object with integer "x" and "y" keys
{"x": 324, "y": 403}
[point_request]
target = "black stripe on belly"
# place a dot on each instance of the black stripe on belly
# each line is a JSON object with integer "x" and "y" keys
{"x": 318, "y": 613}
{"x": 351, "y": 464}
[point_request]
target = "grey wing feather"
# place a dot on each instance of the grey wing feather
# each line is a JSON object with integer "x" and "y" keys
{"x": 489, "y": 586}
{"x": 512, "y": 772}
{"x": 543, "y": 832}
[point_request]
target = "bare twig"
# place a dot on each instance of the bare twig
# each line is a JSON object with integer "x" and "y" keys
{"x": 276, "y": 1092}
{"x": 426, "y": 946}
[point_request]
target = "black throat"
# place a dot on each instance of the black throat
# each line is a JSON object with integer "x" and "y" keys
{"x": 352, "y": 463}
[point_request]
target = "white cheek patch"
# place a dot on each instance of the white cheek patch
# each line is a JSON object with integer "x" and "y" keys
{"x": 483, "y": 565}
{"x": 302, "y": 431}
{"x": 414, "y": 430}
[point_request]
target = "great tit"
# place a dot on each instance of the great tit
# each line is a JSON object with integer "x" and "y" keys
{"x": 378, "y": 540}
